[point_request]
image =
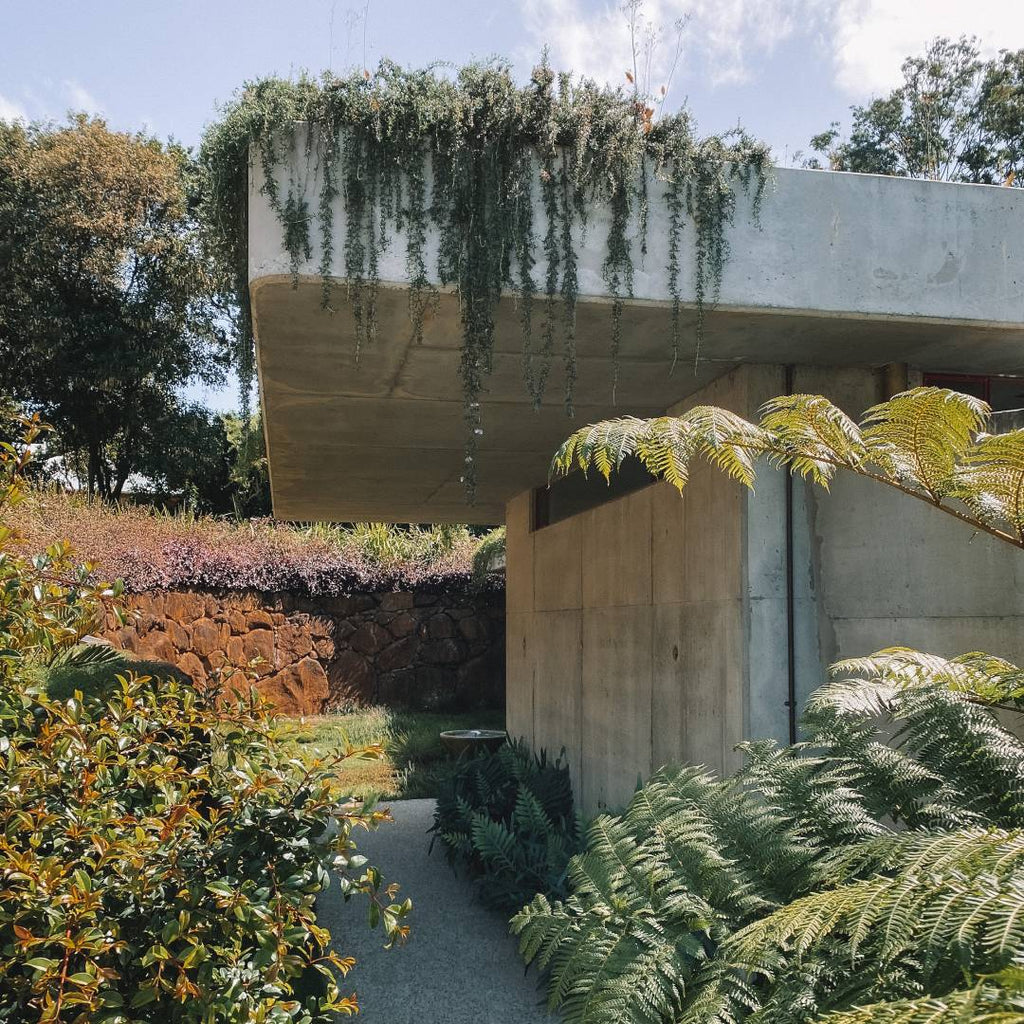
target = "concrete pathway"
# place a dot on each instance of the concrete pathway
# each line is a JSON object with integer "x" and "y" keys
{"x": 459, "y": 966}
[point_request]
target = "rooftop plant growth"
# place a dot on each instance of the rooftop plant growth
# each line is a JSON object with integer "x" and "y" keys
{"x": 469, "y": 155}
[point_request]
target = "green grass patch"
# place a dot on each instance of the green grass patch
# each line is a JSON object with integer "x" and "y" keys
{"x": 414, "y": 763}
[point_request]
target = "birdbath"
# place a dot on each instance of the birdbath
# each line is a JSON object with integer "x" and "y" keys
{"x": 471, "y": 741}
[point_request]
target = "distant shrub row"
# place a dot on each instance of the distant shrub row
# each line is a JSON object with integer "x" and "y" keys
{"x": 151, "y": 550}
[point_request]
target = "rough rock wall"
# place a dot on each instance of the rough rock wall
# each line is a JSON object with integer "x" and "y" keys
{"x": 421, "y": 650}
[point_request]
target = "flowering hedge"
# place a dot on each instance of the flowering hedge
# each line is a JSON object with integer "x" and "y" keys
{"x": 149, "y": 550}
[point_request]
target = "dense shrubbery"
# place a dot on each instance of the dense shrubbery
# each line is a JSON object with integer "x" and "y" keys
{"x": 490, "y": 553}
{"x": 508, "y": 819}
{"x": 839, "y": 873}
{"x": 160, "y": 857}
{"x": 159, "y": 853}
{"x": 149, "y": 550}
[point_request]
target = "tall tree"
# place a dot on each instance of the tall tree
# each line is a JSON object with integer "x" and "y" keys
{"x": 956, "y": 117}
{"x": 107, "y": 301}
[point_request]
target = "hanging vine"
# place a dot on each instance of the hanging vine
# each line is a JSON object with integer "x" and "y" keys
{"x": 480, "y": 160}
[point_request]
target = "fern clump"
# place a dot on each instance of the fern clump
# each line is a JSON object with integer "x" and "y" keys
{"x": 874, "y": 871}
{"x": 507, "y": 818}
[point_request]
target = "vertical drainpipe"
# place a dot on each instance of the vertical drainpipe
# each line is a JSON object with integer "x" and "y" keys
{"x": 790, "y": 590}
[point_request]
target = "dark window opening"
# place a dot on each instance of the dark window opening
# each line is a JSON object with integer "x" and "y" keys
{"x": 1002, "y": 393}
{"x": 569, "y": 496}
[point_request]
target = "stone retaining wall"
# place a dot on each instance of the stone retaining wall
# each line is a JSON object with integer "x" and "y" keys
{"x": 420, "y": 650}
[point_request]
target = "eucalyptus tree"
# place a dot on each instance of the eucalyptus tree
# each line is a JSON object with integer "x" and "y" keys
{"x": 955, "y": 117}
{"x": 108, "y": 302}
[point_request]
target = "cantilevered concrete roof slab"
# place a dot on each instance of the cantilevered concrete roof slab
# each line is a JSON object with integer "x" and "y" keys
{"x": 842, "y": 269}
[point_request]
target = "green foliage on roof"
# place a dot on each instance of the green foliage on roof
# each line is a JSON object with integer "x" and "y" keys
{"x": 476, "y": 156}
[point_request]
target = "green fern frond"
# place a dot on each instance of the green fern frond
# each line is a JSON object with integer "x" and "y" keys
{"x": 942, "y": 909}
{"x": 919, "y": 436}
{"x": 813, "y": 436}
{"x": 984, "y": 1004}
{"x": 990, "y": 479}
{"x": 879, "y": 862}
{"x": 666, "y": 445}
{"x": 86, "y": 654}
{"x": 985, "y": 678}
{"x": 926, "y": 442}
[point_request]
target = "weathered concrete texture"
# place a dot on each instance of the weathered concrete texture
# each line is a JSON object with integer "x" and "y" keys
{"x": 630, "y": 624}
{"x": 682, "y": 607}
{"x": 889, "y": 570}
{"x": 460, "y": 966}
{"x": 842, "y": 269}
{"x": 854, "y": 244}
{"x": 424, "y": 650}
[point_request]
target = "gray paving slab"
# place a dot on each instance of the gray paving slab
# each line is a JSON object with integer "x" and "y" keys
{"x": 459, "y": 965}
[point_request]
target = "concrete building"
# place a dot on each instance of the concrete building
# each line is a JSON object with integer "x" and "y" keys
{"x": 645, "y": 627}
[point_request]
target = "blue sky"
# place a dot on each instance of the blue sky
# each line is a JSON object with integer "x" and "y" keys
{"x": 785, "y": 68}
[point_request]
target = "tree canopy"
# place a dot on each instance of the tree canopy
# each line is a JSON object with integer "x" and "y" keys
{"x": 955, "y": 117}
{"x": 108, "y": 303}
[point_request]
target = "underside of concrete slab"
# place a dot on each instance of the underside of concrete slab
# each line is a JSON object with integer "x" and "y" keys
{"x": 839, "y": 270}
{"x": 382, "y": 438}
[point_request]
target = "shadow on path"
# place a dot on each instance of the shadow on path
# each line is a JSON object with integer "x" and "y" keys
{"x": 460, "y": 966}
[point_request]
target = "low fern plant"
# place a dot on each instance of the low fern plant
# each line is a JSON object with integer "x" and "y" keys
{"x": 873, "y": 872}
{"x": 507, "y": 818}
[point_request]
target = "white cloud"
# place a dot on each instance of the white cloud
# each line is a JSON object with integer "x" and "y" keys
{"x": 871, "y": 38}
{"x": 865, "y": 41}
{"x": 81, "y": 99}
{"x": 11, "y": 111}
{"x": 718, "y": 42}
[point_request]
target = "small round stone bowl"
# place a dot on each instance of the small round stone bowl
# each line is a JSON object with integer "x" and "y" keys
{"x": 471, "y": 741}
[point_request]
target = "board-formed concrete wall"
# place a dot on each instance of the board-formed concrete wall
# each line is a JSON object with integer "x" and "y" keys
{"x": 628, "y": 625}
{"x": 886, "y": 570}
{"x": 653, "y": 628}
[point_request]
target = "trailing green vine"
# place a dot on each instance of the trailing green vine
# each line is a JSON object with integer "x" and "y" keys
{"x": 481, "y": 160}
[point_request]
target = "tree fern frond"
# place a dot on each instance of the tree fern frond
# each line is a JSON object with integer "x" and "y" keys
{"x": 603, "y": 446}
{"x": 926, "y": 442}
{"x": 878, "y": 862}
{"x": 726, "y": 440}
{"x": 991, "y": 479}
{"x": 86, "y": 654}
{"x": 919, "y": 436}
{"x": 984, "y": 677}
{"x": 666, "y": 445}
{"x": 984, "y": 1004}
{"x": 813, "y": 436}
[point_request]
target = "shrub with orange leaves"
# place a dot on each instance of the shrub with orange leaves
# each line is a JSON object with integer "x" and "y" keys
{"x": 160, "y": 852}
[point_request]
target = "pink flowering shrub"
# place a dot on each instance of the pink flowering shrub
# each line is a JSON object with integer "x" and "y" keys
{"x": 150, "y": 550}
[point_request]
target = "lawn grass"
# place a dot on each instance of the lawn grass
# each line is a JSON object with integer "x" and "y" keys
{"x": 414, "y": 761}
